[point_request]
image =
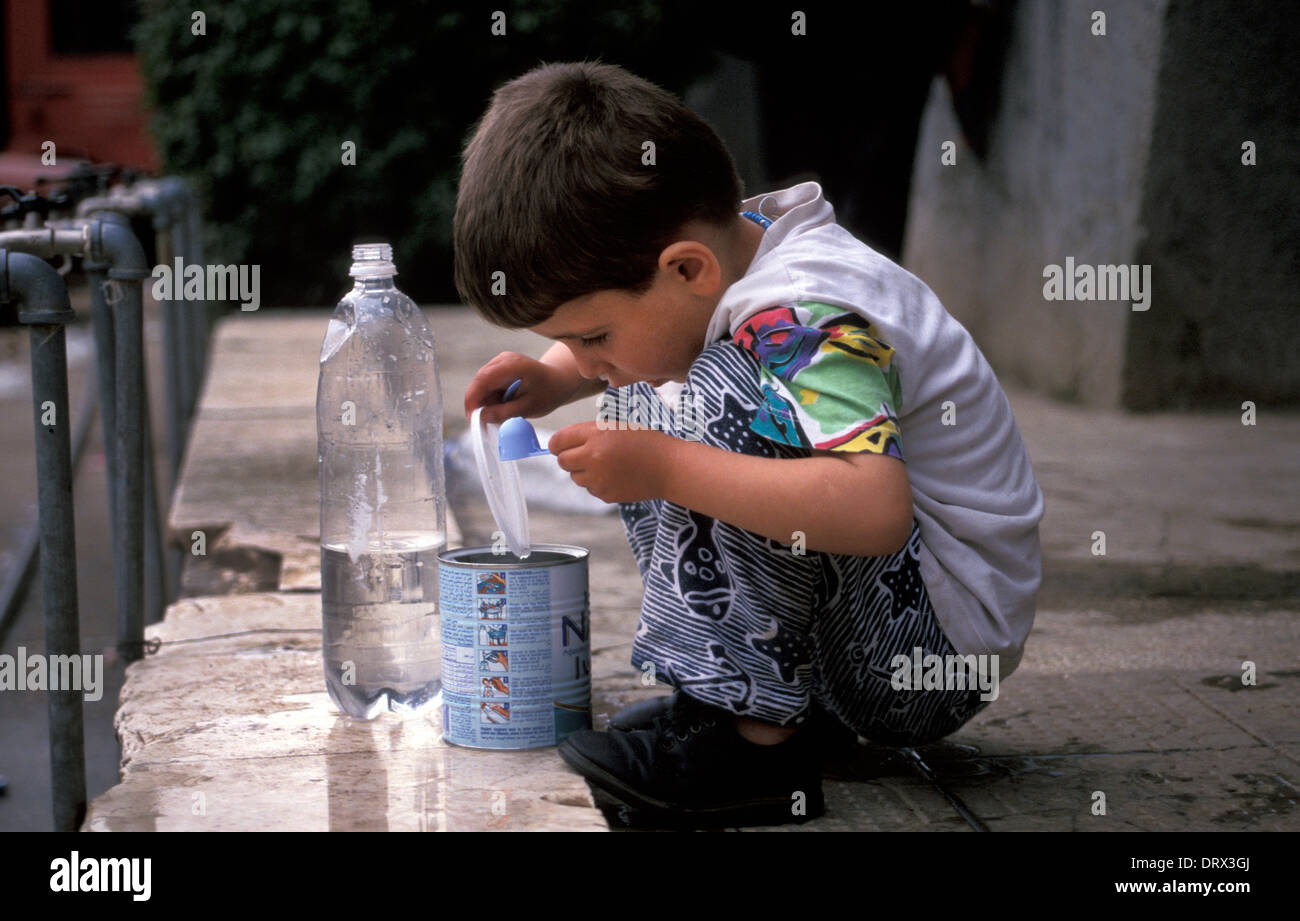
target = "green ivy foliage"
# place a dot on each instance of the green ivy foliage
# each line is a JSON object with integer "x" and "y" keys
{"x": 256, "y": 111}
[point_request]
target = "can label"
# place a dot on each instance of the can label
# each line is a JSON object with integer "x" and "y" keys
{"x": 516, "y": 653}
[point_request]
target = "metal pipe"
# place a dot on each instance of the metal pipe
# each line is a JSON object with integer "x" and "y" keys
{"x": 199, "y": 328}
{"x": 173, "y": 392}
{"x": 123, "y": 202}
{"x": 111, "y": 241}
{"x": 106, "y": 372}
{"x": 155, "y": 572}
{"x": 165, "y": 201}
{"x": 194, "y": 235}
{"x": 156, "y": 593}
{"x": 34, "y": 285}
{"x": 190, "y": 323}
{"x": 155, "y": 584}
{"x": 182, "y": 311}
{"x": 45, "y": 242}
{"x": 170, "y": 198}
{"x": 188, "y": 221}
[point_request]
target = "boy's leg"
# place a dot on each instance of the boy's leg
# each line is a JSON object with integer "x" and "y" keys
{"x": 640, "y": 524}
{"x": 876, "y": 609}
{"x": 724, "y": 619}
{"x": 726, "y": 612}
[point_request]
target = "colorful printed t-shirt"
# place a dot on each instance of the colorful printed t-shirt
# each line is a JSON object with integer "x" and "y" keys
{"x": 829, "y": 382}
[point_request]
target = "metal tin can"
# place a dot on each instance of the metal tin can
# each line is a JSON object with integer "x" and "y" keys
{"x": 516, "y": 652}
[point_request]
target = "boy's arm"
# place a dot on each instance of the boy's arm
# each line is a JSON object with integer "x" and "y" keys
{"x": 857, "y": 504}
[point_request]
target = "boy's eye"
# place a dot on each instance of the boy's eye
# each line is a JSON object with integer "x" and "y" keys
{"x": 595, "y": 340}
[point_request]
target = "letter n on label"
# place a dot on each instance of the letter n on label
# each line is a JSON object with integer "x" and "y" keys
{"x": 567, "y": 624}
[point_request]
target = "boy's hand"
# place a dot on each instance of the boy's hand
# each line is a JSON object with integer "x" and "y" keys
{"x": 544, "y": 388}
{"x": 616, "y": 466}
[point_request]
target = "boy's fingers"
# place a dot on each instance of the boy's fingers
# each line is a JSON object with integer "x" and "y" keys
{"x": 478, "y": 393}
{"x": 570, "y": 462}
{"x": 473, "y": 399}
{"x": 568, "y": 437}
{"x": 490, "y": 383}
{"x": 489, "y": 398}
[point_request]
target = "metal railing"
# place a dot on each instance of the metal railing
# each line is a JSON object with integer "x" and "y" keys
{"x": 146, "y": 574}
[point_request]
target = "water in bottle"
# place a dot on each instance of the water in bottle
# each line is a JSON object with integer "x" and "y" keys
{"x": 383, "y": 497}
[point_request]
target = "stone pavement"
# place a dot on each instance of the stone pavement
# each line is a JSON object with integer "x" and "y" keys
{"x": 1130, "y": 685}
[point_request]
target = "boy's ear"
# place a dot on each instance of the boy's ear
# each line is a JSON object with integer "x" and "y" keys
{"x": 694, "y": 261}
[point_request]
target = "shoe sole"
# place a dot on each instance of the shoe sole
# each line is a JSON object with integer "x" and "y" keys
{"x": 830, "y": 741}
{"x": 830, "y": 746}
{"x": 760, "y": 811}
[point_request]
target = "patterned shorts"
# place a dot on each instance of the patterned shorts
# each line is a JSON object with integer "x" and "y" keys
{"x": 744, "y": 623}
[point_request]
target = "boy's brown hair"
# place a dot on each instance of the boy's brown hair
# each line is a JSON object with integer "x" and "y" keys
{"x": 554, "y": 192}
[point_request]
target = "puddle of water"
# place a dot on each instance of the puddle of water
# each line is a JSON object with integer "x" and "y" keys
{"x": 1233, "y": 683}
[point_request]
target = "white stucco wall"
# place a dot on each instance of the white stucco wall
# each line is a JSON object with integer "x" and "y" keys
{"x": 1064, "y": 177}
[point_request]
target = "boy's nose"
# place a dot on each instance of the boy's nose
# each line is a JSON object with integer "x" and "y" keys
{"x": 590, "y": 367}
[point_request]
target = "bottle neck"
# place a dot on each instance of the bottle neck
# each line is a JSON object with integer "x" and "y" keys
{"x": 376, "y": 283}
{"x": 372, "y": 266}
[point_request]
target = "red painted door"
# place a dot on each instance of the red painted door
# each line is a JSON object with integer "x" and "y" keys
{"x": 72, "y": 79}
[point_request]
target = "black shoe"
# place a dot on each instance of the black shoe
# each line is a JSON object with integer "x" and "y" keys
{"x": 694, "y": 770}
{"x": 829, "y": 733}
{"x": 642, "y": 714}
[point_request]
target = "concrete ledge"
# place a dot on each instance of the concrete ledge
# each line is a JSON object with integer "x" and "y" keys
{"x": 239, "y": 733}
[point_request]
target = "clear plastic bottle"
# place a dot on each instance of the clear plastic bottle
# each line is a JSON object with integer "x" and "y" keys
{"x": 383, "y": 496}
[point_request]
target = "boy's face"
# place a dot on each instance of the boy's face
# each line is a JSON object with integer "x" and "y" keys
{"x": 624, "y": 339}
{"x": 655, "y": 337}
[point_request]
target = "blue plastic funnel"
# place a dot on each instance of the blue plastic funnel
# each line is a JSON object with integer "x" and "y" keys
{"x": 517, "y": 440}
